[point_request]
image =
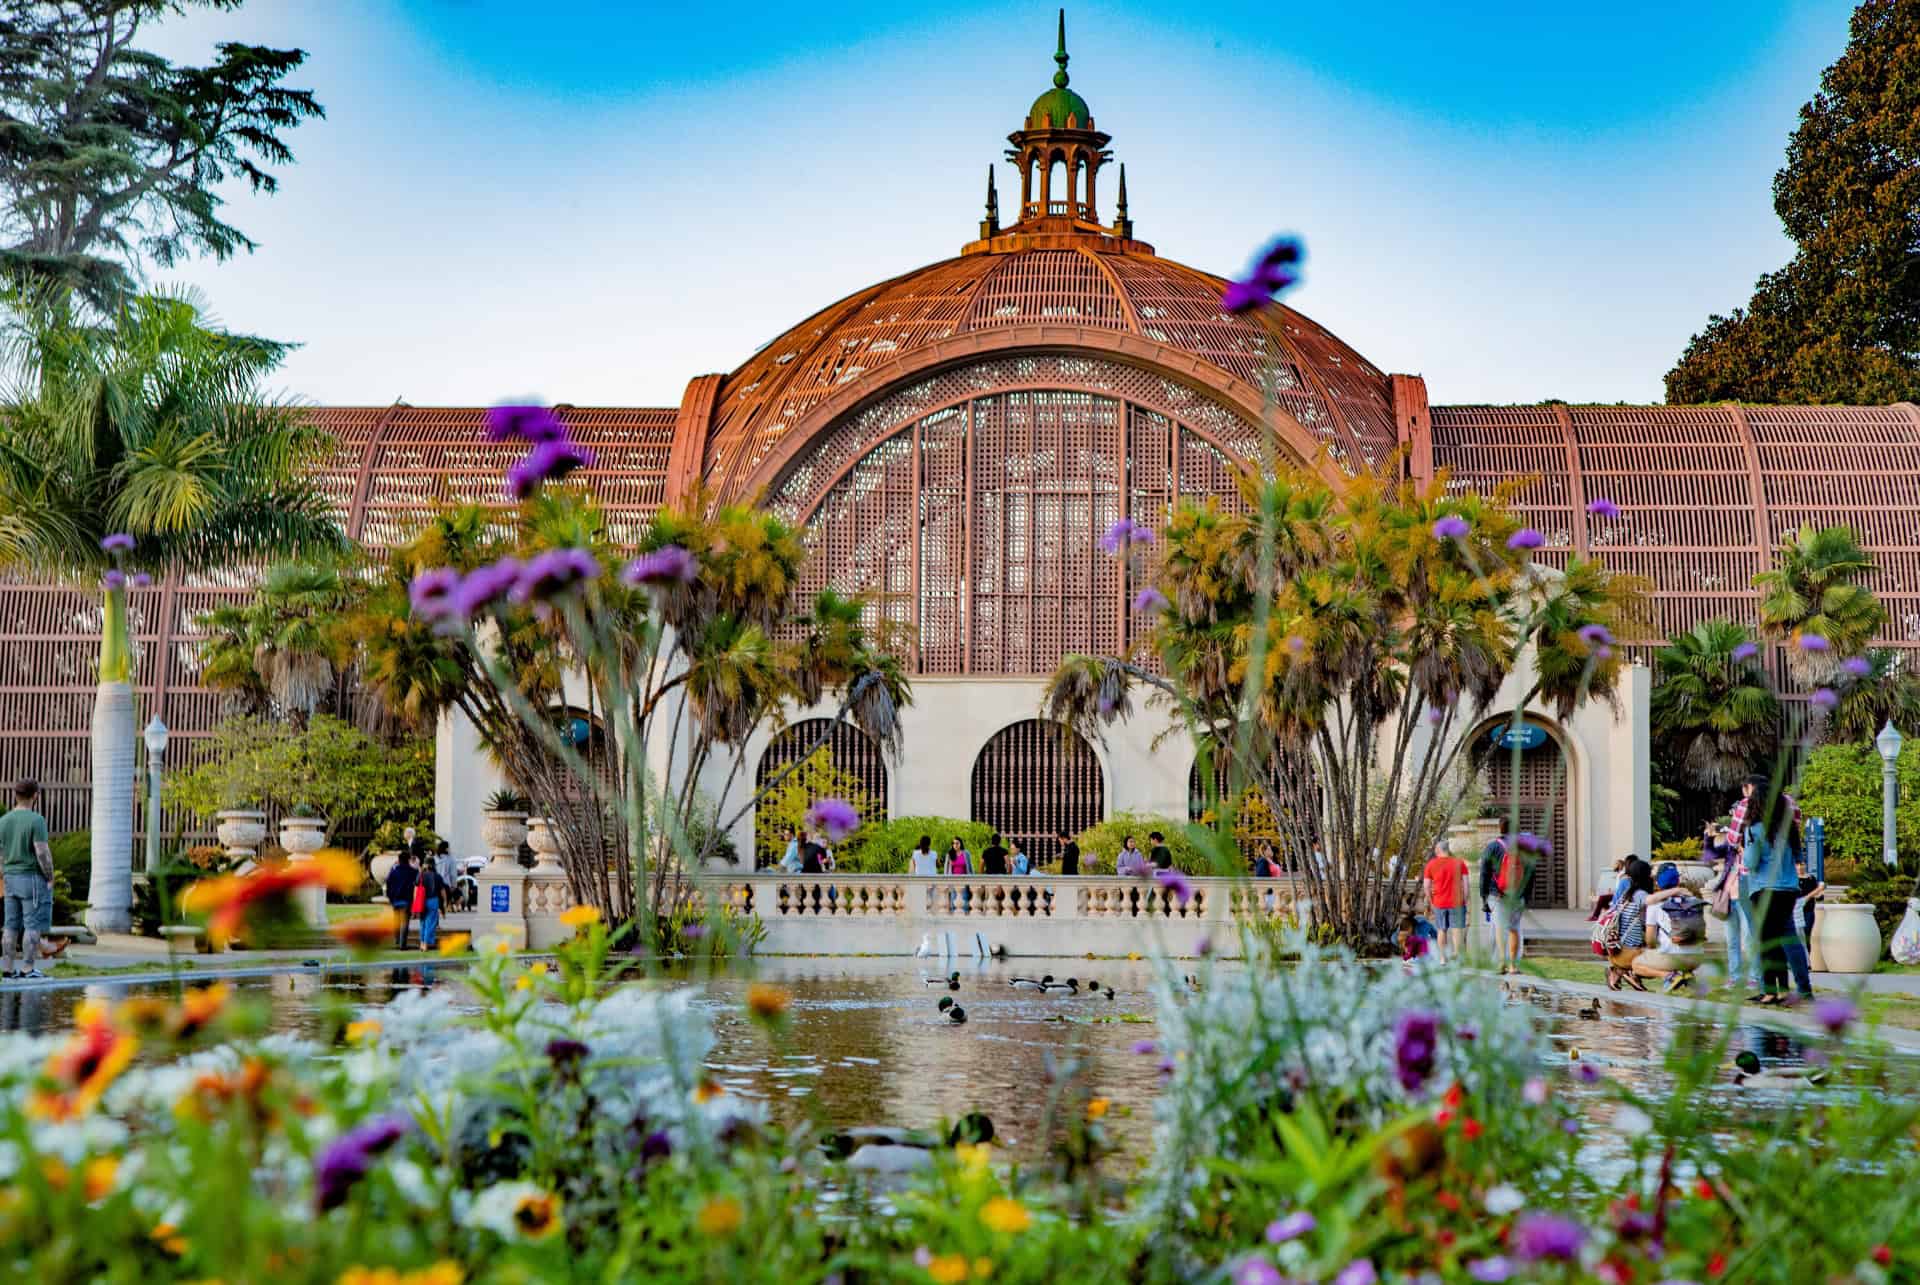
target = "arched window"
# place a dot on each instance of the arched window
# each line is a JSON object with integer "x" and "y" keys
{"x": 1293, "y": 833}
{"x": 1031, "y": 781}
{"x": 1534, "y": 799}
{"x": 1057, "y": 185}
{"x": 850, "y": 758}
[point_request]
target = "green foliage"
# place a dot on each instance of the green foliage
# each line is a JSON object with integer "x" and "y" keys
{"x": 1101, "y": 842}
{"x": 1713, "y": 714}
{"x": 332, "y": 766}
{"x": 285, "y": 649}
{"x": 156, "y": 898}
{"x": 1813, "y": 587}
{"x": 117, "y": 157}
{"x": 1662, "y": 803}
{"x": 1841, "y": 321}
{"x": 784, "y": 807}
{"x": 1889, "y": 692}
{"x": 505, "y": 801}
{"x": 1677, "y": 850}
{"x": 1886, "y": 888}
{"x": 388, "y": 836}
{"x": 888, "y": 843}
{"x": 1842, "y": 784}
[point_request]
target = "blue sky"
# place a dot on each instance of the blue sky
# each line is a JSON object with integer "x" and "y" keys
{"x": 593, "y": 201}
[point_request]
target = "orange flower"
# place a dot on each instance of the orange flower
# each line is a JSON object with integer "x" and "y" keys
{"x": 213, "y": 1090}
{"x": 168, "y": 1237}
{"x": 720, "y": 1216}
{"x": 1471, "y": 1128}
{"x": 1005, "y": 1216}
{"x": 143, "y": 1015}
{"x": 580, "y": 916}
{"x": 82, "y": 1068}
{"x": 455, "y": 943}
{"x": 367, "y": 932}
{"x": 707, "y": 1091}
{"x": 97, "y": 1177}
{"x": 230, "y": 902}
{"x": 198, "y": 1008}
{"x": 538, "y": 1216}
{"x": 1097, "y": 1107}
{"x": 768, "y": 1003}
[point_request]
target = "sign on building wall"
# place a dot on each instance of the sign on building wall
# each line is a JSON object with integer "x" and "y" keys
{"x": 1527, "y": 736}
{"x": 502, "y": 898}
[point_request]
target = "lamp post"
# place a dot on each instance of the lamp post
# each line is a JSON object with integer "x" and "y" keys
{"x": 1888, "y": 743}
{"x": 156, "y": 739}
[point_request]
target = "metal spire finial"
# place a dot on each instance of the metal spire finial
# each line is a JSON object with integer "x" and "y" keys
{"x": 1060, "y": 54}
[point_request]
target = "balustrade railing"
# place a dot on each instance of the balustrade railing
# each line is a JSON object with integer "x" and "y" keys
{"x": 781, "y": 897}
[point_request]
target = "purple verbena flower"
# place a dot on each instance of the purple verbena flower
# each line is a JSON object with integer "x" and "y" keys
{"x": 1603, "y": 508}
{"x": 1595, "y": 635}
{"x": 1527, "y": 841}
{"x": 1177, "y": 883}
{"x": 1526, "y": 538}
{"x": 655, "y": 1146}
{"x": 527, "y": 423}
{"x": 1436, "y": 715}
{"x": 546, "y": 462}
{"x": 548, "y": 575}
{"x": 483, "y": 587}
{"x": 1451, "y": 527}
{"x": 1570, "y": 1126}
{"x": 1145, "y": 1047}
{"x": 1858, "y": 666}
{"x": 1746, "y": 651}
{"x": 1587, "y": 1073}
{"x": 431, "y": 592}
{"x": 1296, "y": 644}
{"x": 115, "y": 579}
{"x": 1534, "y": 1092}
{"x": 693, "y": 932}
{"x": 1416, "y": 1042}
{"x": 1254, "y": 1270}
{"x": 1204, "y": 948}
{"x": 1537, "y": 1237}
{"x": 1491, "y": 1271}
{"x": 833, "y": 818}
{"x": 1273, "y": 273}
{"x": 1835, "y": 1012}
{"x": 141, "y": 580}
{"x": 1812, "y": 642}
{"x": 1603, "y": 652}
{"x": 566, "y": 1054}
{"x": 1359, "y": 1272}
{"x": 1292, "y": 1227}
{"x": 1124, "y": 532}
{"x": 118, "y": 542}
{"x": 1824, "y": 698}
{"x": 350, "y": 1156}
{"x": 668, "y": 564}
{"x": 1150, "y": 599}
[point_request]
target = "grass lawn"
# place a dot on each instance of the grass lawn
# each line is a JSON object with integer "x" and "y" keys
{"x": 1566, "y": 970}
{"x": 338, "y": 910}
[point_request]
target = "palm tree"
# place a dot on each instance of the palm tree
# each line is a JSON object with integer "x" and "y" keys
{"x": 1814, "y": 589}
{"x": 1713, "y": 712}
{"x": 286, "y": 646}
{"x": 149, "y": 423}
{"x": 1888, "y": 692}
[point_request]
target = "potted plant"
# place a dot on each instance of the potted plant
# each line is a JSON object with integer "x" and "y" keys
{"x": 1845, "y": 937}
{"x": 383, "y": 850}
{"x": 504, "y": 827}
{"x": 303, "y": 831}
{"x": 241, "y": 826}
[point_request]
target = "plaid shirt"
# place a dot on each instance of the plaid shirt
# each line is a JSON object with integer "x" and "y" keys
{"x": 1737, "y": 827}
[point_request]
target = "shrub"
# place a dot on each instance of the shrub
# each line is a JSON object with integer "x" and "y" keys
{"x": 885, "y": 846}
{"x": 1678, "y": 850}
{"x": 1102, "y": 842}
{"x": 1841, "y": 783}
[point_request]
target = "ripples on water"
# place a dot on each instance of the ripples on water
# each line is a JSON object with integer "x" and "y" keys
{"x": 866, "y": 1043}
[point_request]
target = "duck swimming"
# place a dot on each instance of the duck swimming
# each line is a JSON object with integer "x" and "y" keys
{"x": 1030, "y": 984}
{"x": 951, "y": 981}
{"x": 956, "y": 1014}
{"x": 1068, "y": 987}
{"x": 1750, "y": 1074}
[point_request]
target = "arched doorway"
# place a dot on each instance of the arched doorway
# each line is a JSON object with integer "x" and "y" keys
{"x": 1034, "y": 779}
{"x": 1294, "y": 830}
{"x": 1534, "y": 798}
{"x": 851, "y": 760}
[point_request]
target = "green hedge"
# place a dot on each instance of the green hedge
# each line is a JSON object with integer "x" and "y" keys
{"x": 882, "y": 847}
{"x": 1102, "y": 843}
{"x": 1841, "y": 783}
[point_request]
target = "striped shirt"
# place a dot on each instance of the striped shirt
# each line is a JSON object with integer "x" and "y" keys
{"x": 1737, "y": 823}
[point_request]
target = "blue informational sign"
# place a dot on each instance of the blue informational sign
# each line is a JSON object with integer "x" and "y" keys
{"x": 1527, "y": 736}
{"x": 1817, "y": 848}
{"x": 502, "y": 898}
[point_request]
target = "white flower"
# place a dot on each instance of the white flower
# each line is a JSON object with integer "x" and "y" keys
{"x": 1504, "y": 1199}
{"x": 1631, "y": 1119}
{"x": 493, "y": 1209}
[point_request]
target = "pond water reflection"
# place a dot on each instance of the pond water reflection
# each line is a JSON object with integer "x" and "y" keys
{"x": 867, "y": 1044}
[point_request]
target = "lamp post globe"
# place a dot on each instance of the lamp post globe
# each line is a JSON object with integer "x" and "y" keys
{"x": 1888, "y": 743}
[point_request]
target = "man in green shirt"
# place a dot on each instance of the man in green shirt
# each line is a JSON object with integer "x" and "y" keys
{"x": 26, "y": 861}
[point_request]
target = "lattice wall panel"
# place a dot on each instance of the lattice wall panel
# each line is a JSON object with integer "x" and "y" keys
{"x": 1539, "y": 796}
{"x": 849, "y": 749}
{"x": 1030, "y": 782}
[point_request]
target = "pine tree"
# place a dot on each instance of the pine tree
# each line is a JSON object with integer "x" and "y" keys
{"x": 112, "y": 157}
{"x": 1841, "y": 321}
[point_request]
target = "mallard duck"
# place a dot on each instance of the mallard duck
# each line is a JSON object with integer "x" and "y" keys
{"x": 1589, "y": 1011}
{"x": 1030, "y": 983}
{"x": 957, "y": 1015}
{"x": 890, "y": 1150}
{"x": 951, "y": 981}
{"x": 946, "y": 1002}
{"x": 1068, "y": 987}
{"x": 1752, "y": 1075}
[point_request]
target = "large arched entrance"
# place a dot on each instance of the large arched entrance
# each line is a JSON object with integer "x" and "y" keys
{"x": 1529, "y": 792}
{"x": 1034, "y": 779}
{"x": 1293, "y": 829}
{"x": 850, "y": 759}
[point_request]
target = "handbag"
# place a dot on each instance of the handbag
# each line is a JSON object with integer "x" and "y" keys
{"x": 1720, "y": 905}
{"x": 419, "y": 906}
{"x": 1605, "y": 938}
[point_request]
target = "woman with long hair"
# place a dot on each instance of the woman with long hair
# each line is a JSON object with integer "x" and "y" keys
{"x": 1772, "y": 839}
{"x": 1630, "y": 905}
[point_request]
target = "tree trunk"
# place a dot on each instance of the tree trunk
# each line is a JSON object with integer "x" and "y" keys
{"x": 110, "y": 894}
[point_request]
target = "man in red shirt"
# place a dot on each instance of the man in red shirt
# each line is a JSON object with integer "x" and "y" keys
{"x": 1446, "y": 876}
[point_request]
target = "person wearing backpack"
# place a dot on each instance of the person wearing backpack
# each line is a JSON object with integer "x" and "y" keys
{"x": 1512, "y": 882}
{"x": 1676, "y": 930}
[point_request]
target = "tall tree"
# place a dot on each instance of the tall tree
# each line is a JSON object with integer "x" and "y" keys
{"x": 1841, "y": 321}
{"x": 1813, "y": 589}
{"x": 150, "y": 426}
{"x": 1712, "y": 710}
{"x": 111, "y": 156}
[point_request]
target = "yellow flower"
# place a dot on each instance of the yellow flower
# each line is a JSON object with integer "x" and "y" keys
{"x": 537, "y": 1217}
{"x": 1097, "y": 1108}
{"x": 367, "y": 932}
{"x": 539, "y": 969}
{"x": 441, "y": 1273}
{"x": 444, "y": 1272}
{"x": 720, "y": 1216}
{"x": 581, "y": 916}
{"x": 363, "y": 1032}
{"x": 455, "y": 943}
{"x": 168, "y": 1237}
{"x": 948, "y": 1269}
{"x": 768, "y": 1003}
{"x": 974, "y": 1158}
{"x": 982, "y": 1268}
{"x": 83, "y": 1067}
{"x": 523, "y": 983}
{"x": 97, "y": 1177}
{"x": 1006, "y": 1216}
{"x": 1133, "y": 954}
{"x": 369, "y": 1276}
{"x": 503, "y": 947}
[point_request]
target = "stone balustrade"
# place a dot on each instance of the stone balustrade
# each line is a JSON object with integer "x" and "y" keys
{"x": 1026, "y": 914}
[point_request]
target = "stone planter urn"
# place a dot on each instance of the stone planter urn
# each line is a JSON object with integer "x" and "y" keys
{"x": 546, "y": 847}
{"x": 241, "y": 833}
{"x": 1847, "y": 938}
{"x": 503, "y": 833}
{"x": 382, "y": 865}
{"x": 302, "y": 837}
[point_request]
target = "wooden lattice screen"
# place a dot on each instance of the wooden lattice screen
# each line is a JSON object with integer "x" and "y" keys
{"x": 1030, "y": 782}
{"x": 851, "y": 751}
{"x": 1539, "y": 790}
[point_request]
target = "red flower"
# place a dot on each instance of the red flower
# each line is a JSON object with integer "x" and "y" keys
{"x": 1703, "y": 1189}
{"x": 1882, "y": 1255}
{"x": 1447, "y": 1201}
{"x": 1446, "y": 1239}
{"x": 1455, "y": 1096}
{"x": 1717, "y": 1265}
{"x": 1633, "y": 1200}
{"x": 1471, "y": 1128}
{"x": 1443, "y": 1118}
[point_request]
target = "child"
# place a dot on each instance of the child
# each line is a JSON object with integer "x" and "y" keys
{"x": 1811, "y": 891}
{"x": 1413, "y": 943}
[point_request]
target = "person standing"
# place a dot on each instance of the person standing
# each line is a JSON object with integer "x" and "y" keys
{"x": 790, "y": 859}
{"x": 1131, "y": 862}
{"x": 1019, "y": 862}
{"x": 401, "y": 881}
{"x": 1069, "y": 854}
{"x": 993, "y": 857}
{"x": 1446, "y": 876}
{"x": 1771, "y": 835}
{"x": 431, "y": 893}
{"x": 1491, "y": 858}
{"x": 1743, "y": 927}
{"x": 449, "y": 874}
{"x": 812, "y": 856}
{"x": 1159, "y": 853}
{"x": 26, "y": 861}
{"x": 921, "y": 861}
{"x": 957, "y": 862}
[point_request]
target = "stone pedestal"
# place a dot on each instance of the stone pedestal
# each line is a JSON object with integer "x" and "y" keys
{"x": 302, "y": 837}
{"x": 502, "y": 912}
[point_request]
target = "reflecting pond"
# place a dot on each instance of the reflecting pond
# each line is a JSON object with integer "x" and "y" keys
{"x": 867, "y": 1043}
